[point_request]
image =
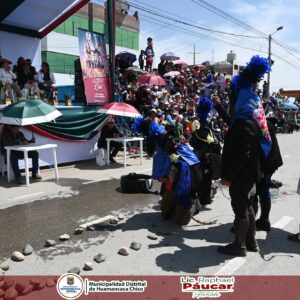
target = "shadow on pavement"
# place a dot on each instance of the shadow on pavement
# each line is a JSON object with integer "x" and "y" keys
{"x": 277, "y": 244}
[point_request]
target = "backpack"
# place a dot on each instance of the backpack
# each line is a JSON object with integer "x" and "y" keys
{"x": 136, "y": 183}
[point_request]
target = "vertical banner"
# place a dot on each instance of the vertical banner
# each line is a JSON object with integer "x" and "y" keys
{"x": 95, "y": 68}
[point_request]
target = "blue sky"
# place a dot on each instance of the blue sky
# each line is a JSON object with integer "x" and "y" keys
{"x": 265, "y": 16}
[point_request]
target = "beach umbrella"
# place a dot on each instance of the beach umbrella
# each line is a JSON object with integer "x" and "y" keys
{"x": 135, "y": 70}
{"x": 120, "y": 109}
{"x": 180, "y": 62}
{"x": 152, "y": 80}
{"x": 170, "y": 56}
{"x": 127, "y": 55}
{"x": 29, "y": 112}
{"x": 290, "y": 105}
{"x": 172, "y": 74}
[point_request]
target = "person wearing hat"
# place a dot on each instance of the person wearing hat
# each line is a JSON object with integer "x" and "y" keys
{"x": 109, "y": 131}
{"x": 7, "y": 77}
{"x": 6, "y": 74}
{"x": 206, "y": 146}
{"x": 247, "y": 144}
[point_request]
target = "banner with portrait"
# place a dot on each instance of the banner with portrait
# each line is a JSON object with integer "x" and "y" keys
{"x": 95, "y": 68}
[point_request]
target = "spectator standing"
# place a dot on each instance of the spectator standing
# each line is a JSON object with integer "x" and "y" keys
{"x": 141, "y": 59}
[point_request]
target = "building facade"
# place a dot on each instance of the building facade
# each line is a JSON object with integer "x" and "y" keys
{"x": 60, "y": 47}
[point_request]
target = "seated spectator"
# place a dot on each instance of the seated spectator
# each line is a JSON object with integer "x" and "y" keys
{"x": 24, "y": 74}
{"x": 32, "y": 68}
{"x": 109, "y": 131}
{"x": 31, "y": 89}
{"x": 18, "y": 67}
{"x": 46, "y": 79}
{"x": 12, "y": 136}
{"x": 7, "y": 77}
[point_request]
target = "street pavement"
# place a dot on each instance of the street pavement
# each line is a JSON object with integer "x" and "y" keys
{"x": 86, "y": 192}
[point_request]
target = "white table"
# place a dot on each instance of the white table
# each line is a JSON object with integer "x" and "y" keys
{"x": 26, "y": 149}
{"x": 124, "y": 140}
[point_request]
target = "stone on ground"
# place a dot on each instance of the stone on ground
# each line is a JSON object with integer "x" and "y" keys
{"x": 135, "y": 246}
{"x": 99, "y": 258}
{"x": 124, "y": 251}
{"x": 17, "y": 256}
{"x": 27, "y": 250}
{"x": 88, "y": 266}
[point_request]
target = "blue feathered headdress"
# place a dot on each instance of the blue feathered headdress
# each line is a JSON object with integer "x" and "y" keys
{"x": 254, "y": 71}
{"x": 204, "y": 109}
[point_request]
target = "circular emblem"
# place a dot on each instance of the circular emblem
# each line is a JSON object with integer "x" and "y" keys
{"x": 70, "y": 286}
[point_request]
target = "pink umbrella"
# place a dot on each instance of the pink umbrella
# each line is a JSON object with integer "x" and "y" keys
{"x": 172, "y": 74}
{"x": 180, "y": 62}
{"x": 201, "y": 67}
{"x": 120, "y": 109}
{"x": 222, "y": 84}
{"x": 152, "y": 80}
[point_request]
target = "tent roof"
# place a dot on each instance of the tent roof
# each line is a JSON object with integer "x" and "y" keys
{"x": 35, "y": 17}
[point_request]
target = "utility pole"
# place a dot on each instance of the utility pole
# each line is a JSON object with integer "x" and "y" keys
{"x": 270, "y": 63}
{"x": 194, "y": 55}
{"x": 270, "y": 54}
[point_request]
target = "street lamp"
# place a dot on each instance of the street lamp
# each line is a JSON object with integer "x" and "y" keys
{"x": 269, "y": 58}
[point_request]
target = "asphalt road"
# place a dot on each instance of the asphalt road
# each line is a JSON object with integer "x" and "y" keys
{"x": 187, "y": 250}
{"x": 37, "y": 221}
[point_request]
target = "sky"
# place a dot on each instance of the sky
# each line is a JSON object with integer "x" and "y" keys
{"x": 266, "y": 16}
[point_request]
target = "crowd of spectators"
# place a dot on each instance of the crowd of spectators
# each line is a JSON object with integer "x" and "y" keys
{"x": 22, "y": 81}
{"x": 175, "y": 103}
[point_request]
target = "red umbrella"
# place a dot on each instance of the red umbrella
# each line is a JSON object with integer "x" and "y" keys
{"x": 180, "y": 62}
{"x": 201, "y": 67}
{"x": 152, "y": 80}
{"x": 120, "y": 109}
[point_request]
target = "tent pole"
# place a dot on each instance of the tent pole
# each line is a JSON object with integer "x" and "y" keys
{"x": 111, "y": 21}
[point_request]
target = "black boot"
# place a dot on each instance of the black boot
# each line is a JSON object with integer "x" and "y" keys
{"x": 263, "y": 222}
{"x": 238, "y": 247}
{"x": 251, "y": 242}
{"x": 255, "y": 204}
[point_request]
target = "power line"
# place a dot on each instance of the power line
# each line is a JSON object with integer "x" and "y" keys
{"x": 196, "y": 34}
{"x": 186, "y": 23}
{"x": 193, "y": 33}
{"x": 229, "y": 17}
{"x": 238, "y": 22}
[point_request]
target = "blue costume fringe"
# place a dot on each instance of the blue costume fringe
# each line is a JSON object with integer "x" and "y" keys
{"x": 182, "y": 190}
{"x": 161, "y": 164}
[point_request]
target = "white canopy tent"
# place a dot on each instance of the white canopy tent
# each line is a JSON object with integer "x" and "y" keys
{"x": 24, "y": 22}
